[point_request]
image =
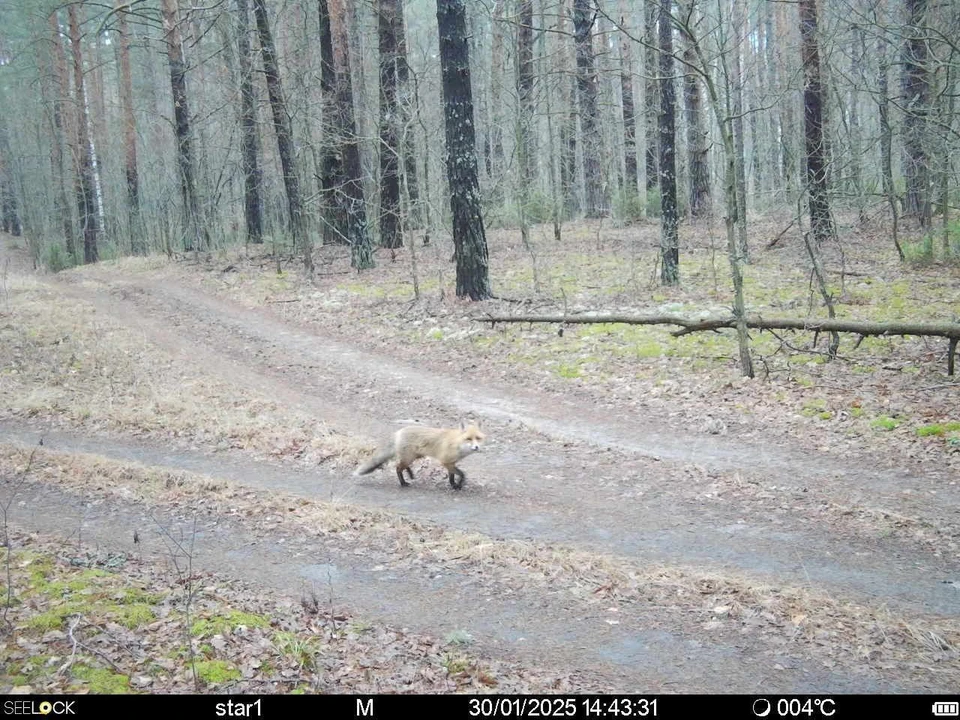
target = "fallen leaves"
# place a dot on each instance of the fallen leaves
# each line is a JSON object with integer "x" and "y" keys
{"x": 212, "y": 635}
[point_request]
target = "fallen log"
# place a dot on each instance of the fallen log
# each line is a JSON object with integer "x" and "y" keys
{"x": 951, "y": 331}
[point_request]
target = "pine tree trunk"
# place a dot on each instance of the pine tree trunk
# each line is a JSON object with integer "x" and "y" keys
{"x": 469, "y": 238}
{"x": 556, "y": 202}
{"x": 405, "y": 102}
{"x": 9, "y": 216}
{"x": 390, "y": 25}
{"x": 857, "y": 62}
{"x": 249, "y": 137}
{"x": 947, "y": 109}
{"x": 820, "y": 221}
{"x": 629, "y": 117}
{"x": 527, "y": 150}
{"x": 86, "y": 202}
{"x": 568, "y": 125}
{"x": 60, "y": 95}
{"x": 568, "y": 150}
{"x": 886, "y": 139}
{"x": 495, "y": 152}
{"x": 774, "y": 171}
{"x": 411, "y": 179}
{"x": 331, "y": 173}
{"x": 583, "y": 21}
{"x": 916, "y": 102}
{"x": 423, "y": 206}
{"x": 284, "y": 135}
{"x": 787, "y": 113}
{"x": 669, "y": 242}
{"x": 697, "y": 142}
{"x": 651, "y": 99}
{"x": 196, "y": 237}
{"x": 361, "y": 248}
{"x": 738, "y": 19}
{"x": 137, "y": 244}
{"x": 756, "y": 164}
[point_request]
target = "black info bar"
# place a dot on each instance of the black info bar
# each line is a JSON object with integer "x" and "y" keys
{"x": 488, "y": 706}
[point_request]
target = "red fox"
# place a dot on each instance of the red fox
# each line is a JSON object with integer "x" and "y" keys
{"x": 413, "y": 442}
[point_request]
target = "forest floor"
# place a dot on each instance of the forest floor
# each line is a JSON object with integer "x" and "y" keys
{"x": 641, "y": 518}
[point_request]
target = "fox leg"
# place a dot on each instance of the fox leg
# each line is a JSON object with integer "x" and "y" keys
{"x": 456, "y": 477}
{"x": 400, "y": 469}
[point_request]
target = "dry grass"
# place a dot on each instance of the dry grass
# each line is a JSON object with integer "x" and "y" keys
{"x": 61, "y": 360}
{"x": 87, "y": 622}
{"x": 800, "y": 395}
{"x": 834, "y": 629}
{"x": 613, "y": 364}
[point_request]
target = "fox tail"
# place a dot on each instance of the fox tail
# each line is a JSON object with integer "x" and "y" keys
{"x": 383, "y": 454}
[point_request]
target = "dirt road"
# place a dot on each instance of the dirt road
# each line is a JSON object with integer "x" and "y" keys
{"x": 594, "y": 478}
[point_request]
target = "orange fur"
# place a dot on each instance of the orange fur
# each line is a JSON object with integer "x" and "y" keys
{"x": 413, "y": 442}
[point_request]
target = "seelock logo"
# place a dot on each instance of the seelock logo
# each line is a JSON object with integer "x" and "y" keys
{"x": 38, "y": 707}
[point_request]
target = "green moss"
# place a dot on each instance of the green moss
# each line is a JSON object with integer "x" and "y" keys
{"x": 91, "y": 573}
{"x": 369, "y": 290}
{"x": 136, "y": 596}
{"x": 35, "y": 667}
{"x": 856, "y": 412}
{"x": 203, "y": 626}
{"x": 937, "y": 429}
{"x": 133, "y": 616}
{"x": 885, "y": 423}
{"x": 100, "y": 681}
{"x": 435, "y": 334}
{"x": 39, "y": 571}
{"x": 816, "y": 408}
{"x": 228, "y": 622}
{"x": 522, "y": 359}
{"x": 49, "y": 620}
{"x": 566, "y": 370}
{"x": 67, "y": 587}
{"x": 216, "y": 671}
{"x": 648, "y": 350}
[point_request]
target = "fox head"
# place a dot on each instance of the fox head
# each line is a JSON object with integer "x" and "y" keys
{"x": 470, "y": 438}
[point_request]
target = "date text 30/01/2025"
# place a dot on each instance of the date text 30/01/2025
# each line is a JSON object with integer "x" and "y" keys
{"x": 563, "y": 707}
